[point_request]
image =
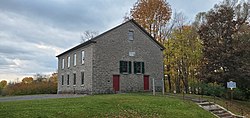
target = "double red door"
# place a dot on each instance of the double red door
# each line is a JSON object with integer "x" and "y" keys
{"x": 116, "y": 82}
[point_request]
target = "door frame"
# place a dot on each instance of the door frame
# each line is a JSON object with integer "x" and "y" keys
{"x": 118, "y": 83}
{"x": 144, "y": 83}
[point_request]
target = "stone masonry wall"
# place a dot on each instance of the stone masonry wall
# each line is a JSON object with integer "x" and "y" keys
{"x": 113, "y": 47}
{"x": 86, "y": 68}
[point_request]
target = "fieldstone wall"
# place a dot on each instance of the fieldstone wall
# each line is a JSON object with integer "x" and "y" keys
{"x": 86, "y": 88}
{"x": 102, "y": 62}
{"x": 113, "y": 47}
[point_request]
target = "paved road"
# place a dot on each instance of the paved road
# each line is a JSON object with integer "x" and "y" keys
{"x": 41, "y": 96}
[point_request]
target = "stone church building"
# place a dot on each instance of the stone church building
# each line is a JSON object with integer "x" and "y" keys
{"x": 122, "y": 59}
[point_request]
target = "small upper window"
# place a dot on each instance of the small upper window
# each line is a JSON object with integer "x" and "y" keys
{"x": 62, "y": 63}
{"x": 68, "y": 61}
{"x": 83, "y": 57}
{"x": 74, "y": 59}
{"x": 130, "y": 35}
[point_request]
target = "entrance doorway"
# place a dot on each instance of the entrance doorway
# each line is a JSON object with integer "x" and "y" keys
{"x": 116, "y": 83}
{"x": 146, "y": 82}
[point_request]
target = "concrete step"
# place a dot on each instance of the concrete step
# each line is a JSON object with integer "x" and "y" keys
{"x": 198, "y": 100}
{"x": 219, "y": 112}
{"x": 224, "y": 115}
{"x": 206, "y": 103}
{"x": 228, "y": 117}
{"x": 215, "y": 109}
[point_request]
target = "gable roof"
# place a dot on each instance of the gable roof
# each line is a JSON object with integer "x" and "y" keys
{"x": 161, "y": 46}
{"x": 93, "y": 39}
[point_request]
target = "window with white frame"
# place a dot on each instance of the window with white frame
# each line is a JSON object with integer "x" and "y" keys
{"x": 68, "y": 61}
{"x": 74, "y": 59}
{"x": 131, "y": 35}
{"x": 83, "y": 57}
{"x": 62, "y": 63}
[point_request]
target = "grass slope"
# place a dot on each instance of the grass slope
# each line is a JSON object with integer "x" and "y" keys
{"x": 236, "y": 106}
{"x": 115, "y": 105}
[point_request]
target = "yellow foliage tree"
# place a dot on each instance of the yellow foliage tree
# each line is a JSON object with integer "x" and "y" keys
{"x": 3, "y": 84}
{"x": 27, "y": 80}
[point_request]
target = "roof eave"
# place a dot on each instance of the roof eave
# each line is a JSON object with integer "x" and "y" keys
{"x": 77, "y": 47}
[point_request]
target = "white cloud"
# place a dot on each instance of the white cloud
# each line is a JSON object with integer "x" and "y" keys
{"x": 32, "y": 33}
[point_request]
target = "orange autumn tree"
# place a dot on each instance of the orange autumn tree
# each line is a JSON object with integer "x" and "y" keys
{"x": 152, "y": 15}
{"x": 27, "y": 80}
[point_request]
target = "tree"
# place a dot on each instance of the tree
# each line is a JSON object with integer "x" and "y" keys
{"x": 87, "y": 35}
{"x": 241, "y": 56}
{"x": 153, "y": 16}
{"x": 217, "y": 29}
{"x": 3, "y": 84}
{"x": 184, "y": 54}
{"x": 53, "y": 78}
{"x": 27, "y": 80}
{"x": 40, "y": 77}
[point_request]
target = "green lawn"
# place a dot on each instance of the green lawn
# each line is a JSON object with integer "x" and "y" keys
{"x": 113, "y": 105}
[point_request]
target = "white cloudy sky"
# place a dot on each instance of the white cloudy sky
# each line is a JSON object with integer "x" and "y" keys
{"x": 33, "y": 32}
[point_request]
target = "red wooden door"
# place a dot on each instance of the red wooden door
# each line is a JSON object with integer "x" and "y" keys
{"x": 116, "y": 82}
{"x": 146, "y": 82}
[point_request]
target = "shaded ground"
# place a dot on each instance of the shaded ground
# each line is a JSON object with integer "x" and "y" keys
{"x": 37, "y": 97}
{"x": 237, "y": 107}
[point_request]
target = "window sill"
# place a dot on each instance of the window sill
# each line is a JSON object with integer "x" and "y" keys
{"x": 67, "y": 85}
{"x": 74, "y": 85}
{"x": 82, "y": 85}
{"x": 125, "y": 73}
{"x": 138, "y": 73}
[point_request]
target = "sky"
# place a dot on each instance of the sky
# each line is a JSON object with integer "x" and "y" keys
{"x": 33, "y": 32}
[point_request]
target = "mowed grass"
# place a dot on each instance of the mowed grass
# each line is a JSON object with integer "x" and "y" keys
{"x": 113, "y": 105}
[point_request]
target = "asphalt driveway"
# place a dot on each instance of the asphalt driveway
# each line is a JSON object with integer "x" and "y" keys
{"x": 37, "y": 97}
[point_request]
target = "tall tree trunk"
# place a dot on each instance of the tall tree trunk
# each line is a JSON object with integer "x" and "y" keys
{"x": 169, "y": 81}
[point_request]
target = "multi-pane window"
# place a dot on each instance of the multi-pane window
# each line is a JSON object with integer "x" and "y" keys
{"x": 62, "y": 63}
{"x": 74, "y": 83}
{"x": 68, "y": 61}
{"x": 83, "y": 57}
{"x": 82, "y": 77}
{"x": 62, "y": 79}
{"x": 74, "y": 59}
{"x": 130, "y": 35}
{"x": 125, "y": 66}
{"x": 139, "y": 67}
{"x": 67, "y": 79}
